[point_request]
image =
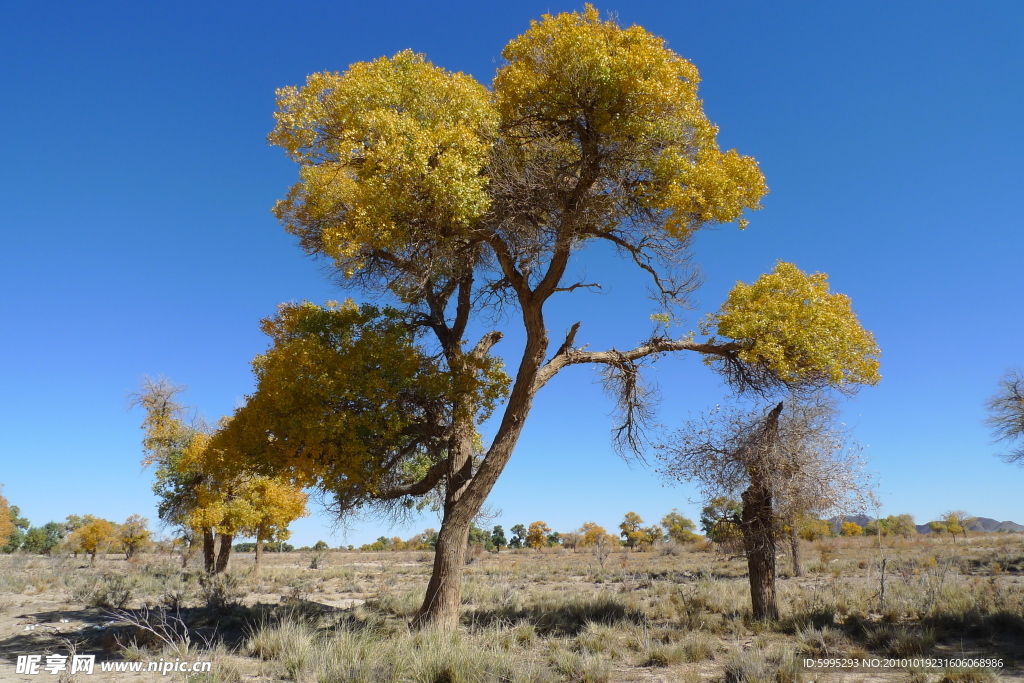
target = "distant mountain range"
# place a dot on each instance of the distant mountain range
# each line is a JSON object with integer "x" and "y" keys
{"x": 980, "y": 524}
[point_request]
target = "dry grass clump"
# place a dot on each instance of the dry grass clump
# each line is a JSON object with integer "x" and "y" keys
{"x": 825, "y": 642}
{"x": 775, "y": 664}
{"x": 968, "y": 676}
{"x": 355, "y": 652}
{"x": 579, "y": 667}
{"x": 694, "y": 647}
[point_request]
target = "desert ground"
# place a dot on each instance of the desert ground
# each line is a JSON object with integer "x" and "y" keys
{"x": 676, "y": 613}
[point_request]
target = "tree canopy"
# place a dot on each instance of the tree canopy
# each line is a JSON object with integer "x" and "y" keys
{"x": 202, "y": 490}
{"x": 463, "y": 203}
{"x": 347, "y": 399}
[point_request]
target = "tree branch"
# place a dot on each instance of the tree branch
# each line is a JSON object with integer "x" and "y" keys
{"x": 508, "y": 266}
{"x": 570, "y": 356}
{"x": 419, "y": 488}
{"x": 484, "y": 345}
{"x": 577, "y": 286}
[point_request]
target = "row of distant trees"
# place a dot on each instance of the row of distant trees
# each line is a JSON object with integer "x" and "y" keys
{"x": 716, "y": 524}
{"x": 538, "y": 535}
{"x": 77, "y": 534}
{"x": 91, "y": 535}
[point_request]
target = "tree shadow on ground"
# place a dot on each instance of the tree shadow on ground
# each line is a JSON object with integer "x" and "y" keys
{"x": 969, "y": 634}
{"x": 107, "y": 632}
{"x": 568, "y": 618}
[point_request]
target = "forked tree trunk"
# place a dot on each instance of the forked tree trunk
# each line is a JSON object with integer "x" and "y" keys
{"x": 225, "y": 552}
{"x": 209, "y": 551}
{"x": 467, "y": 490}
{"x": 794, "y": 540}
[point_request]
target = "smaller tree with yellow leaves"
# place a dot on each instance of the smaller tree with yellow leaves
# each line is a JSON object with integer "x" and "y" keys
{"x": 957, "y": 522}
{"x": 134, "y": 536}
{"x": 537, "y": 535}
{"x": 631, "y": 531}
{"x": 679, "y": 528}
{"x": 95, "y": 536}
{"x": 590, "y": 533}
{"x": 852, "y": 529}
{"x": 268, "y": 505}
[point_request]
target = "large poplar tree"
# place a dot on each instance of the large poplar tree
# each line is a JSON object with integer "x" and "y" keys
{"x": 463, "y": 204}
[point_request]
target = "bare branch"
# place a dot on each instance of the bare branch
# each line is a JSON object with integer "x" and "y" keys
{"x": 578, "y": 285}
{"x": 1006, "y": 414}
{"x": 655, "y": 346}
{"x": 634, "y": 406}
{"x": 811, "y": 467}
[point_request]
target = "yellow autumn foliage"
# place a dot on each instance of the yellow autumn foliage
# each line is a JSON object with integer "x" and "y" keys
{"x": 397, "y": 156}
{"x": 790, "y": 323}
{"x": 392, "y": 152}
{"x": 537, "y": 535}
{"x": 243, "y": 502}
{"x": 94, "y": 536}
{"x": 6, "y": 524}
{"x": 573, "y": 75}
{"x": 340, "y": 396}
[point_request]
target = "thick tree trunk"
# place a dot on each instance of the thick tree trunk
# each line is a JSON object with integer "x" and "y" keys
{"x": 794, "y": 542}
{"x": 225, "y": 552}
{"x": 759, "y": 541}
{"x": 467, "y": 490}
{"x": 758, "y": 521}
{"x": 441, "y": 603}
{"x": 209, "y": 550}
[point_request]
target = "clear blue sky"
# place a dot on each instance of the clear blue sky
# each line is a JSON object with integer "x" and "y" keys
{"x": 136, "y": 188}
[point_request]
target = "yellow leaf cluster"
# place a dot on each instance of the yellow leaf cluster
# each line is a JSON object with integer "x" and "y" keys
{"x": 338, "y": 393}
{"x": 624, "y": 91}
{"x": 852, "y": 529}
{"x": 253, "y": 505}
{"x": 391, "y": 152}
{"x": 231, "y": 500}
{"x": 591, "y": 533}
{"x": 790, "y": 323}
{"x": 537, "y": 535}
{"x": 94, "y": 536}
{"x": 6, "y": 525}
{"x": 401, "y": 157}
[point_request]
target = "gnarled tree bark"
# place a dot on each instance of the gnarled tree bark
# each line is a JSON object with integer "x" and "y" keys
{"x": 209, "y": 550}
{"x": 758, "y": 522}
{"x": 224, "y": 553}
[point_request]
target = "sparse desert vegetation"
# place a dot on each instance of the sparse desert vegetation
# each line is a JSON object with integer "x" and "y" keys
{"x": 679, "y": 612}
{"x": 469, "y": 224}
